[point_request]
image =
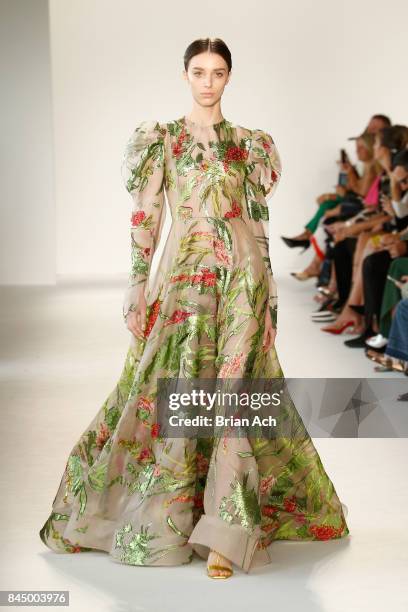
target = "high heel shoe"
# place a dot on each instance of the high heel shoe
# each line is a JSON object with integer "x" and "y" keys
{"x": 303, "y": 275}
{"x": 388, "y": 364}
{"x": 293, "y": 242}
{"x": 338, "y": 330}
{"x": 218, "y": 567}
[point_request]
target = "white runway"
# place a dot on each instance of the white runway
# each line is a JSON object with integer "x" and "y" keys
{"x": 62, "y": 350}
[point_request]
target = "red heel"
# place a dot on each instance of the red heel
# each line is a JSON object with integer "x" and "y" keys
{"x": 338, "y": 330}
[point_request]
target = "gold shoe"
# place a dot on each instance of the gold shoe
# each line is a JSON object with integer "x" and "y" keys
{"x": 218, "y": 567}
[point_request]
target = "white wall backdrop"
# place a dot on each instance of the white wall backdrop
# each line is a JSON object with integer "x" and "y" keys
{"x": 309, "y": 73}
{"x": 27, "y": 198}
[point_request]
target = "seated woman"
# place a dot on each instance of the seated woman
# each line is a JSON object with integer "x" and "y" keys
{"x": 355, "y": 188}
{"x": 399, "y": 267}
{"x": 373, "y": 236}
{"x": 347, "y": 200}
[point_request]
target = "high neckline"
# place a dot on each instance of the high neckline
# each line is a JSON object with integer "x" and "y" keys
{"x": 188, "y": 121}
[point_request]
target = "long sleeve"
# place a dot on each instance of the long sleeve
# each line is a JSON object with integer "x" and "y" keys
{"x": 264, "y": 170}
{"x": 143, "y": 173}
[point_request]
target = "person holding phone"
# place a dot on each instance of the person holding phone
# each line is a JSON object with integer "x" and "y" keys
{"x": 347, "y": 201}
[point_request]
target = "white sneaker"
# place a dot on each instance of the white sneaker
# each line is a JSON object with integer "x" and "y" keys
{"x": 377, "y": 341}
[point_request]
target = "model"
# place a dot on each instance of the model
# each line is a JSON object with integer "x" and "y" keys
{"x": 210, "y": 311}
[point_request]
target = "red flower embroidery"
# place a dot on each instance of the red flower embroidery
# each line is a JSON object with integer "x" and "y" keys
{"x": 266, "y": 146}
{"x": 324, "y": 532}
{"x": 179, "y": 278}
{"x": 232, "y": 366}
{"x": 266, "y": 484}
{"x": 205, "y": 277}
{"x": 144, "y": 403}
{"x": 201, "y": 463}
{"x": 269, "y": 510}
{"x": 235, "y": 212}
{"x": 198, "y": 501}
{"x": 290, "y": 504}
{"x": 178, "y": 316}
{"x": 138, "y": 217}
{"x": 154, "y": 312}
{"x": 183, "y": 498}
{"x": 221, "y": 253}
{"x": 267, "y": 528}
{"x": 155, "y": 430}
{"x": 299, "y": 518}
{"x": 177, "y": 147}
{"x": 209, "y": 278}
{"x": 144, "y": 454}
{"x": 102, "y": 436}
{"x": 236, "y": 154}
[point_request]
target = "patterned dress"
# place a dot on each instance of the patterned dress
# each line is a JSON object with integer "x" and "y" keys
{"x": 147, "y": 499}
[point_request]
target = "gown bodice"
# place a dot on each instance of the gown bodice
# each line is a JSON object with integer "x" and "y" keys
{"x": 221, "y": 171}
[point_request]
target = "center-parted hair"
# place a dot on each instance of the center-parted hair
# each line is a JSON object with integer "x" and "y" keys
{"x": 214, "y": 45}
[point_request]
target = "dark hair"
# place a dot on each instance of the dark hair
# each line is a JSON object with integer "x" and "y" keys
{"x": 214, "y": 45}
{"x": 401, "y": 159}
{"x": 394, "y": 138}
{"x": 383, "y": 118}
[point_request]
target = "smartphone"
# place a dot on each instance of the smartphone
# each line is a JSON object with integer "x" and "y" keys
{"x": 342, "y": 179}
{"x": 385, "y": 187}
{"x": 343, "y": 156}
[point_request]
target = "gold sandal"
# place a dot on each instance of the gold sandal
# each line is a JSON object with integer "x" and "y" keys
{"x": 387, "y": 364}
{"x": 219, "y": 567}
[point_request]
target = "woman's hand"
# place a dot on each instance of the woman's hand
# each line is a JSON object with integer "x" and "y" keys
{"x": 341, "y": 190}
{"x": 269, "y": 333}
{"x": 388, "y": 239}
{"x": 387, "y": 205}
{"x": 136, "y": 318}
{"x": 378, "y": 227}
{"x": 397, "y": 249}
{"x": 346, "y": 167}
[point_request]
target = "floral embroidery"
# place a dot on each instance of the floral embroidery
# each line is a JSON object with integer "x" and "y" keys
{"x": 205, "y": 317}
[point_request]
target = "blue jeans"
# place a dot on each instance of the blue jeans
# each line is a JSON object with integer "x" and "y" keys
{"x": 398, "y": 337}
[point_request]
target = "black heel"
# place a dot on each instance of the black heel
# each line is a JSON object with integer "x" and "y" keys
{"x": 291, "y": 243}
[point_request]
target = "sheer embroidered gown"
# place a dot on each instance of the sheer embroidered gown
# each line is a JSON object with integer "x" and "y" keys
{"x": 152, "y": 500}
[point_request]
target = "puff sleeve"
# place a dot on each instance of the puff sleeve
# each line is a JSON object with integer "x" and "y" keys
{"x": 143, "y": 174}
{"x": 264, "y": 170}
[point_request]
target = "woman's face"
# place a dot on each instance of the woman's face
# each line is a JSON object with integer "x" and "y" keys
{"x": 402, "y": 177}
{"x": 363, "y": 154}
{"x": 207, "y": 76}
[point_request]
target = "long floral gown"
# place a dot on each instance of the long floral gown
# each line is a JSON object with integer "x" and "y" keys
{"x": 152, "y": 500}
